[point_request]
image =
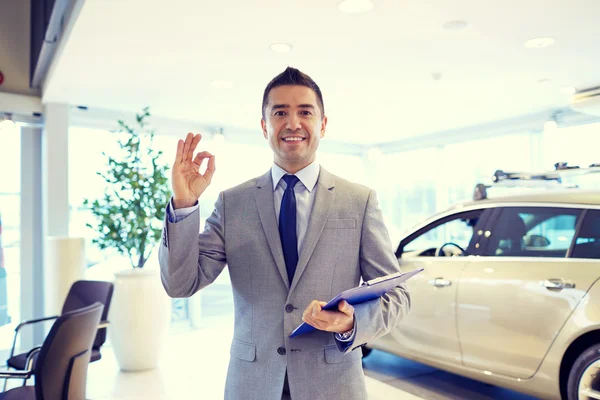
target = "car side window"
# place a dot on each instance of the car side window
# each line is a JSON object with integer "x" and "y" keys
{"x": 587, "y": 243}
{"x": 533, "y": 232}
{"x": 457, "y": 229}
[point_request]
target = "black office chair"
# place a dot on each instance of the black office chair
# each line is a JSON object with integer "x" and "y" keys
{"x": 81, "y": 294}
{"x": 61, "y": 363}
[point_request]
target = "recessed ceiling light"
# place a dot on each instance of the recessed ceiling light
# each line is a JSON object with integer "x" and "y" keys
{"x": 457, "y": 25}
{"x": 539, "y": 43}
{"x": 436, "y": 76}
{"x": 544, "y": 81}
{"x": 7, "y": 125}
{"x": 550, "y": 125}
{"x": 355, "y": 6}
{"x": 281, "y": 47}
{"x": 568, "y": 90}
{"x": 222, "y": 84}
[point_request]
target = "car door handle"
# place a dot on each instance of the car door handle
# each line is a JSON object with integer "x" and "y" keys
{"x": 557, "y": 284}
{"x": 440, "y": 282}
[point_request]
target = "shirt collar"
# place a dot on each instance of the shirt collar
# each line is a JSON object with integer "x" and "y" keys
{"x": 307, "y": 175}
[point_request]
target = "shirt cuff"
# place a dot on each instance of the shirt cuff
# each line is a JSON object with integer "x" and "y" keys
{"x": 176, "y": 215}
{"x": 349, "y": 339}
{"x": 344, "y": 345}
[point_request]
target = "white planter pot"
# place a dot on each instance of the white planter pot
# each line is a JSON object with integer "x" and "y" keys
{"x": 139, "y": 318}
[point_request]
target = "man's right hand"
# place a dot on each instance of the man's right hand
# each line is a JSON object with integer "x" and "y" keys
{"x": 187, "y": 181}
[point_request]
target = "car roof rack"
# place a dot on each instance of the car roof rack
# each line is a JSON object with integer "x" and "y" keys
{"x": 561, "y": 176}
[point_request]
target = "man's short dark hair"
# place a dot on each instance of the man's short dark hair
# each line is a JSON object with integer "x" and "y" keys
{"x": 293, "y": 76}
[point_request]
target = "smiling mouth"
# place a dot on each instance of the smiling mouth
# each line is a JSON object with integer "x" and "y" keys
{"x": 293, "y": 139}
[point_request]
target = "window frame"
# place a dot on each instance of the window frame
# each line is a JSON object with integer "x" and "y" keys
{"x": 485, "y": 213}
{"x": 556, "y": 207}
{"x": 584, "y": 215}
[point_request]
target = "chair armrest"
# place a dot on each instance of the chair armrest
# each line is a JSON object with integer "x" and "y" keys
{"x": 34, "y": 321}
{"x": 30, "y": 358}
{"x": 24, "y": 323}
{"x": 16, "y": 374}
{"x": 103, "y": 324}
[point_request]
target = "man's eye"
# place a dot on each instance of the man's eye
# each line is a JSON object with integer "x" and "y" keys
{"x": 305, "y": 112}
{"x": 279, "y": 113}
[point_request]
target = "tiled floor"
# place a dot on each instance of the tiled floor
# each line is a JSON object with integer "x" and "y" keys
{"x": 193, "y": 366}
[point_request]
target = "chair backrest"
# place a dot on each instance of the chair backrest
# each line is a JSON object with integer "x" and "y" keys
{"x": 84, "y": 293}
{"x": 61, "y": 366}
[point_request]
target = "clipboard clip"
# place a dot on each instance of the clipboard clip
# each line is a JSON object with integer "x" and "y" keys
{"x": 381, "y": 279}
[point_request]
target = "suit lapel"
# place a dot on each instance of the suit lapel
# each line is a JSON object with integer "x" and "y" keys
{"x": 265, "y": 204}
{"x": 318, "y": 217}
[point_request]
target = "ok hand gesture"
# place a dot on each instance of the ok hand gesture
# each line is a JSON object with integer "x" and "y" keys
{"x": 187, "y": 181}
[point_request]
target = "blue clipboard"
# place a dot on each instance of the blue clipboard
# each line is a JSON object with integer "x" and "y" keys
{"x": 368, "y": 291}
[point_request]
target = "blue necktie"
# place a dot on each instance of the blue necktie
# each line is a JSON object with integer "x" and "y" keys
{"x": 287, "y": 226}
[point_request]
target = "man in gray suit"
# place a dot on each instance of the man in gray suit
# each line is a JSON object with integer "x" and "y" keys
{"x": 291, "y": 238}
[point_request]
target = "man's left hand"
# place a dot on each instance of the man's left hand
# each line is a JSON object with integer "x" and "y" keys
{"x": 331, "y": 321}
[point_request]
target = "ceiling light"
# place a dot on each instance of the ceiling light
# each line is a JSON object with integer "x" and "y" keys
{"x": 222, "y": 84}
{"x": 550, "y": 125}
{"x": 539, "y": 43}
{"x": 7, "y": 124}
{"x": 218, "y": 137}
{"x": 436, "y": 76}
{"x": 544, "y": 81}
{"x": 457, "y": 25}
{"x": 355, "y": 6}
{"x": 281, "y": 47}
{"x": 568, "y": 90}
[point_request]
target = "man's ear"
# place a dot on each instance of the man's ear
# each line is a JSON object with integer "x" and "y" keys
{"x": 263, "y": 124}
{"x": 323, "y": 126}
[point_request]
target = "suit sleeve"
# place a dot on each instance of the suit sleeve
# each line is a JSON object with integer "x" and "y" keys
{"x": 190, "y": 261}
{"x": 376, "y": 318}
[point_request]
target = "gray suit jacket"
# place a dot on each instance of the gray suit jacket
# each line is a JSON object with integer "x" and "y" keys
{"x": 345, "y": 240}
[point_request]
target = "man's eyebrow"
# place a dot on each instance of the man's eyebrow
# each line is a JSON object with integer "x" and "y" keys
{"x": 280, "y": 106}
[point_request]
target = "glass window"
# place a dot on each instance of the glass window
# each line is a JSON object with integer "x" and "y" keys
{"x": 458, "y": 230}
{"x": 560, "y": 145}
{"x": 587, "y": 244}
{"x": 10, "y": 234}
{"x": 406, "y": 189}
{"x": 533, "y": 232}
{"x": 468, "y": 163}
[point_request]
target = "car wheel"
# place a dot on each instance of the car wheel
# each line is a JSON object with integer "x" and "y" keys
{"x": 366, "y": 351}
{"x": 584, "y": 378}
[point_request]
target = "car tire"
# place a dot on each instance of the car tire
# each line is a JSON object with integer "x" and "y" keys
{"x": 366, "y": 351}
{"x": 578, "y": 371}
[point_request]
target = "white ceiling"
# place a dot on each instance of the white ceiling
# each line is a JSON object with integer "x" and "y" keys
{"x": 374, "y": 68}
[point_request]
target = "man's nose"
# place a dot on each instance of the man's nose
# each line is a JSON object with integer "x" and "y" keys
{"x": 293, "y": 122}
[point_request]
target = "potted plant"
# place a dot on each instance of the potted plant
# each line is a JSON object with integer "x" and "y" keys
{"x": 129, "y": 220}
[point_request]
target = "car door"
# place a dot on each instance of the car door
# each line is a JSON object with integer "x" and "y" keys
{"x": 429, "y": 330}
{"x": 514, "y": 299}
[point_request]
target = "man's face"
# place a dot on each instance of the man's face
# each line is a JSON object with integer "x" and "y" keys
{"x": 293, "y": 125}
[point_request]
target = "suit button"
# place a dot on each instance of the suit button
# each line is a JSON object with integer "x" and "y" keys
{"x": 281, "y": 351}
{"x": 289, "y": 308}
